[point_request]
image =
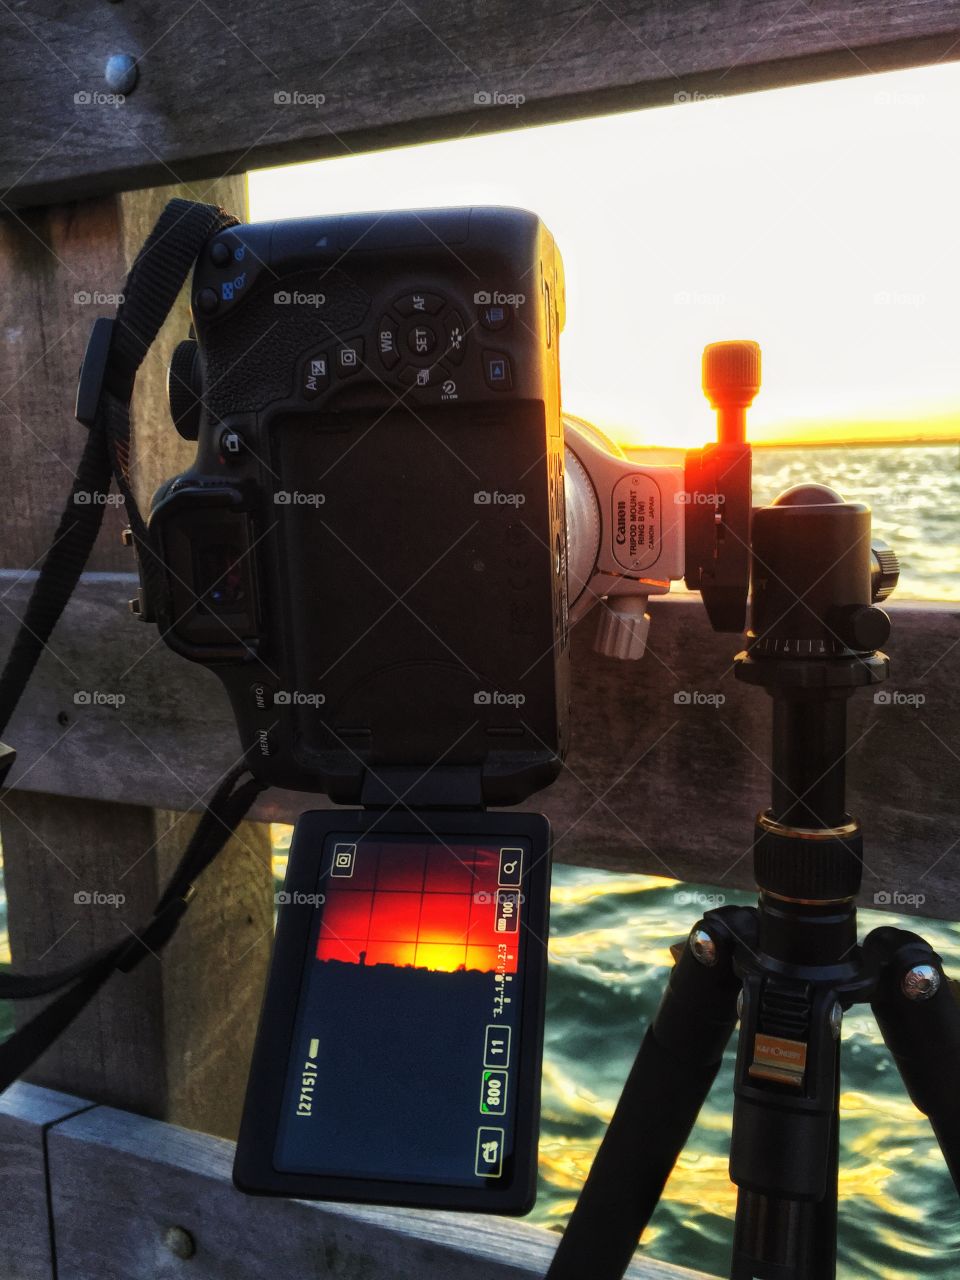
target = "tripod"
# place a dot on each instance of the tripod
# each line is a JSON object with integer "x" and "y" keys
{"x": 790, "y": 967}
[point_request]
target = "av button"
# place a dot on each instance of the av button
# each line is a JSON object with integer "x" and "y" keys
{"x": 315, "y": 377}
{"x": 496, "y": 370}
{"x": 207, "y": 301}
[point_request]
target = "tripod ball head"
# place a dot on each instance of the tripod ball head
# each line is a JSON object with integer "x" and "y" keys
{"x": 815, "y": 576}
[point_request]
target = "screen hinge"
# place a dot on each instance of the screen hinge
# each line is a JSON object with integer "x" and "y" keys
{"x": 413, "y": 787}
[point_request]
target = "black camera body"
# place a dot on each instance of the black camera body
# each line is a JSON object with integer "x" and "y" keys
{"x": 369, "y": 549}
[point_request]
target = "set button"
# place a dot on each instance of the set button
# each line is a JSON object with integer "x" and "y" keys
{"x": 421, "y": 339}
{"x": 429, "y": 331}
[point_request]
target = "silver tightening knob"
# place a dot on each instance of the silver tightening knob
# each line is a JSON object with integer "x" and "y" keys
{"x": 622, "y": 627}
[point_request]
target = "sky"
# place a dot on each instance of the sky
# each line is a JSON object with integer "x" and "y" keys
{"x": 820, "y": 221}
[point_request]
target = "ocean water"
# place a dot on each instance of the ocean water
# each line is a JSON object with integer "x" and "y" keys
{"x": 914, "y": 494}
{"x": 912, "y": 490}
{"x": 610, "y": 938}
{"x": 609, "y": 959}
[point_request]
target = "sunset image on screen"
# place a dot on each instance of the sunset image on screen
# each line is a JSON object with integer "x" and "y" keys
{"x": 418, "y": 906}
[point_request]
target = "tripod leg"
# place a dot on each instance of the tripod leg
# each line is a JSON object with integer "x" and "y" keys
{"x": 668, "y": 1083}
{"x": 918, "y": 1011}
{"x": 790, "y": 1238}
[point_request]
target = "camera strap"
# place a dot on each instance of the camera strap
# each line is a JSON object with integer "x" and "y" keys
{"x": 115, "y": 351}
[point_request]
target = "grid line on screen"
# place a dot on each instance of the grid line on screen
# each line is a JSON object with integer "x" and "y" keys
{"x": 417, "y": 905}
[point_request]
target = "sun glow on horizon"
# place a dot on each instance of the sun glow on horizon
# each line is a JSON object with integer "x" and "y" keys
{"x": 830, "y": 244}
{"x": 419, "y": 908}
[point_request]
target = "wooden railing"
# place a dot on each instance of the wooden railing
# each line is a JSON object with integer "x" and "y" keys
{"x": 103, "y": 796}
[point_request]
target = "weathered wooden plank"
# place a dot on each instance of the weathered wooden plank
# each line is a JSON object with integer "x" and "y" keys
{"x": 52, "y": 260}
{"x": 371, "y": 75}
{"x": 128, "y": 1046}
{"x": 26, "y": 1114}
{"x": 62, "y": 267}
{"x": 125, "y": 1189}
{"x": 650, "y": 784}
{"x": 170, "y": 1039}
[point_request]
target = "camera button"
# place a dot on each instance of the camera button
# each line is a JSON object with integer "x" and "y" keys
{"x": 220, "y": 253}
{"x": 455, "y": 337}
{"x": 230, "y": 443}
{"x": 350, "y": 358}
{"x": 263, "y": 695}
{"x": 421, "y": 339}
{"x": 315, "y": 375}
{"x": 411, "y": 376}
{"x": 494, "y": 316}
{"x": 387, "y": 336}
{"x": 413, "y": 304}
{"x": 207, "y": 301}
{"x": 496, "y": 370}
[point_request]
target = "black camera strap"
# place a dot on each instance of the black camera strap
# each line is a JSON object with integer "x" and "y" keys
{"x": 115, "y": 351}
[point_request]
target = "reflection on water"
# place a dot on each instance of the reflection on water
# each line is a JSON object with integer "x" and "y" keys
{"x": 609, "y": 959}
{"x": 913, "y": 491}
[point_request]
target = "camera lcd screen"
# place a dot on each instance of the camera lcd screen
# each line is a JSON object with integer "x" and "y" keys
{"x": 415, "y": 1029}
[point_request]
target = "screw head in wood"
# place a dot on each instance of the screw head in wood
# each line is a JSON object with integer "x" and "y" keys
{"x": 121, "y": 73}
{"x": 180, "y": 1242}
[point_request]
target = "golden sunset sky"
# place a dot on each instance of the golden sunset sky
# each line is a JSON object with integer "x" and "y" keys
{"x": 821, "y": 221}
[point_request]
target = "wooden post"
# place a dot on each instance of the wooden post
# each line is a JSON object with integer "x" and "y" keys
{"x": 171, "y": 1039}
{"x": 26, "y": 1229}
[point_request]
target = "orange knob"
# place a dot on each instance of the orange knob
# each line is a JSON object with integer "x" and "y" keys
{"x": 731, "y": 379}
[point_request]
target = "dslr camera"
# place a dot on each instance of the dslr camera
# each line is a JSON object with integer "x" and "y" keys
{"x": 369, "y": 549}
{"x": 379, "y": 549}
